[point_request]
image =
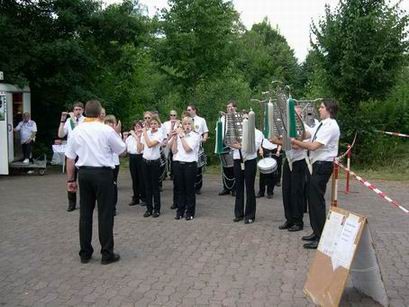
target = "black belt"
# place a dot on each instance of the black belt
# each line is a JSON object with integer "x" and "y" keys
{"x": 96, "y": 167}
{"x": 322, "y": 162}
{"x": 151, "y": 161}
{"x": 183, "y": 162}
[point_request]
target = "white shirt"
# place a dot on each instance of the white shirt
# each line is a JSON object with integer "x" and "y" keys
{"x": 168, "y": 127}
{"x": 152, "y": 153}
{"x": 70, "y": 123}
{"x": 94, "y": 143}
{"x": 131, "y": 145}
{"x": 193, "y": 141}
{"x": 327, "y": 135}
{"x": 200, "y": 125}
{"x": 268, "y": 145}
{"x": 115, "y": 159}
{"x": 258, "y": 139}
{"x": 26, "y": 130}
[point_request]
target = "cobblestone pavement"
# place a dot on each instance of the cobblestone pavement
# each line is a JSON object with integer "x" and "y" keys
{"x": 209, "y": 261}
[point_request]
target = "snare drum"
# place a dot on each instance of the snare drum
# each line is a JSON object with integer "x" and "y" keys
{"x": 267, "y": 165}
{"x": 202, "y": 158}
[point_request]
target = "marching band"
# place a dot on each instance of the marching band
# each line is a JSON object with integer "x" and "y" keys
{"x": 177, "y": 145}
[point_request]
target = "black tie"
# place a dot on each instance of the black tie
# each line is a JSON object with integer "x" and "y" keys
{"x": 314, "y": 137}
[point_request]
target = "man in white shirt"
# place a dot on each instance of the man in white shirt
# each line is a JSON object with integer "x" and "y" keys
{"x": 28, "y": 130}
{"x": 66, "y": 127}
{"x": 323, "y": 149}
{"x": 94, "y": 144}
{"x": 200, "y": 126}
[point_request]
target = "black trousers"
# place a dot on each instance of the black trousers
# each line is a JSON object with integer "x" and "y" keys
{"x": 293, "y": 191}
{"x": 184, "y": 176}
{"x": 72, "y": 196}
{"x": 27, "y": 147}
{"x": 245, "y": 178}
{"x": 138, "y": 182}
{"x": 96, "y": 184}
{"x": 321, "y": 172}
{"x": 228, "y": 179}
{"x": 151, "y": 171}
{"x": 115, "y": 178}
{"x": 199, "y": 179}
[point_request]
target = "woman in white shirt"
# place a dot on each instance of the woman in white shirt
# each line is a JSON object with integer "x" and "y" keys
{"x": 150, "y": 144}
{"x": 184, "y": 144}
{"x": 136, "y": 164}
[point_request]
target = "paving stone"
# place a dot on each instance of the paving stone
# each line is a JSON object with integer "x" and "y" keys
{"x": 209, "y": 262}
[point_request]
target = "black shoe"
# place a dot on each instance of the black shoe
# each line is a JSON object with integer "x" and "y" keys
{"x": 233, "y": 193}
{"x": 224, "y": 192}
{"x": 296, "y": 228}
{"x": 259, "y": 194}
{"x": 286, "y": 225}
{"x": 311, "y": 237}
{"x": 70, "y": 208}
{"x": 311, "y": 245}
{"x": 113, "y": 258}
{"x": 198, "y": 192}
{"x": 178, "y": 217}
{"x": 270, "y": 196}
{"x": 147, "y": 214}
{"x": 237, "y": 219}
{"x": 132, "y": 203}
{"x": 173, "y": 206}
{"x": 249, "y": 221}
{"x": 85, "y": 259}
{"x": 155, "y": 214}
{"x": 189, "y": 218}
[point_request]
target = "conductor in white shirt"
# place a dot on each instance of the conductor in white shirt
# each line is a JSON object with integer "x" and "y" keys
{"x": 94, "y": 144}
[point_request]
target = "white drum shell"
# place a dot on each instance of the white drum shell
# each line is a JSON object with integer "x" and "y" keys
{"x": 267, "y": 165}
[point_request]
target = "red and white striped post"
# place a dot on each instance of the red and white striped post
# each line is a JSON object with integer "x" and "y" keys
{"x": 348, "y": 168}
{"x": 334, "y": 194}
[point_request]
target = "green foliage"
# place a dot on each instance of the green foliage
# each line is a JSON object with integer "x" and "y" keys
{"x": 198, "y": 39}
{"x": 265, "y": 56}
{"x": 361, "y": 48}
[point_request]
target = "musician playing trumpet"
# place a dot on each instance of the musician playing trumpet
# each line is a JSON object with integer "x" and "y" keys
{"x": 184, "y": 143}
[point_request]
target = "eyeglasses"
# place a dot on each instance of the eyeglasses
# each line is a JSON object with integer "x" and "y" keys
{"x": 146, "y": 118}
{"x": 172, "y": 114}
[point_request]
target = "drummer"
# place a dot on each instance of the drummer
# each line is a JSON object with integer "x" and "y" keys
{"x": 269, "y": 150}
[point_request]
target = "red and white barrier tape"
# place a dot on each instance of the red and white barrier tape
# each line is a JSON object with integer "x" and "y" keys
{"x": 373, "y": 188}
{"x": 394, "y": 133}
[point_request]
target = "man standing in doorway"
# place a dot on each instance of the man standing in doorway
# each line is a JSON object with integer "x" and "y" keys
{"x": 28, "y": 130}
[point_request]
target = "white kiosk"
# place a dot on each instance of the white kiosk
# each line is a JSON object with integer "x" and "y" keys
{"x": 14, "y": 101}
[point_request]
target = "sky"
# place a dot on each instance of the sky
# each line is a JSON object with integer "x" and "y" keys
{"x": 292, "y": 18}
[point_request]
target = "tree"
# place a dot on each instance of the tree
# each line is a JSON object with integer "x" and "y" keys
{"x": 266, "y": 56}
{"x": 198, "y": 38}
{"x": 361, "y": 47}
